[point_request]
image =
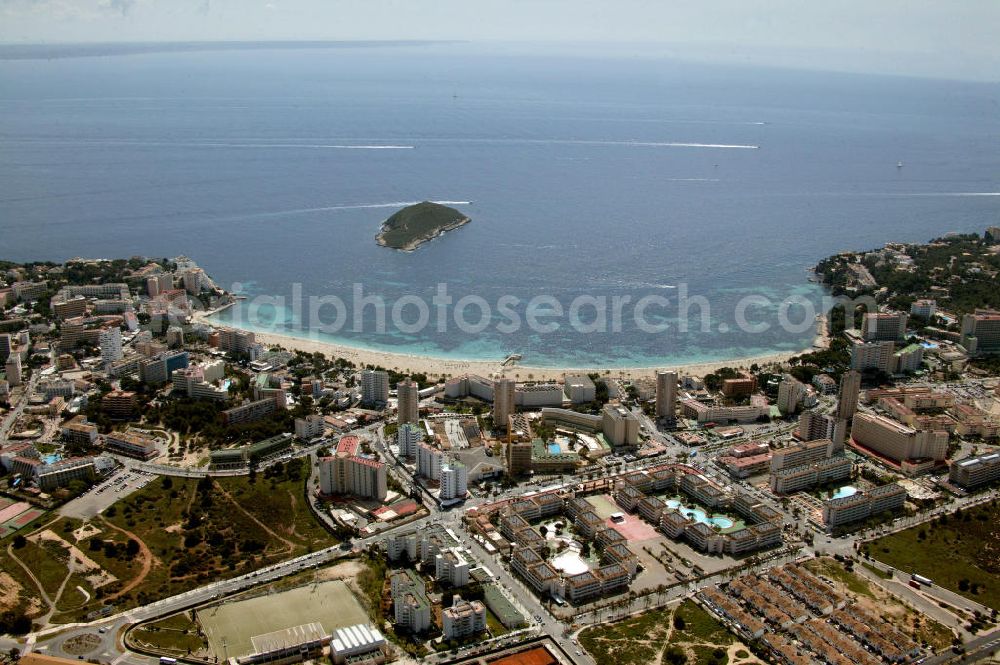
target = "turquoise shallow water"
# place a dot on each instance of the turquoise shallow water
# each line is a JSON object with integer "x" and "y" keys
{"x": 582, "y": 176}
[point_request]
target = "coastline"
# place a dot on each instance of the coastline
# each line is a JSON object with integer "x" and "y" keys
{"x": 444, "y": 367}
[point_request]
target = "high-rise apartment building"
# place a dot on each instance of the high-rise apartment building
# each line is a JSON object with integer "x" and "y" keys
{"x": 374, "y": 386}
{"x": 503, "y": 401}
{"x": 454, "y": 480}
{"x": 110, "y": 341}
{"x": 883, "y": 326}
{"x": 408, "y": 393}
{"x": 847, "y": 399}
{"x": 666, "y": 395}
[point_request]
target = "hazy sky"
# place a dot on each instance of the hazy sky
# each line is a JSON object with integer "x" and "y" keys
{"x": 955, "y": 38}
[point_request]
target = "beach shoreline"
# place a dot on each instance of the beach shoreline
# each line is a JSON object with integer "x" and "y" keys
{"x": 432, "y": 366}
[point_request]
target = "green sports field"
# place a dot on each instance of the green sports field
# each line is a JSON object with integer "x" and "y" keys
{"x": 230, "y": 626}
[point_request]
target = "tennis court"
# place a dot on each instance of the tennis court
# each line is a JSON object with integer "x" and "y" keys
{"x": 12, "y": 510}
{"x": 603, "y": 505}
{"x": 25, "y": 518}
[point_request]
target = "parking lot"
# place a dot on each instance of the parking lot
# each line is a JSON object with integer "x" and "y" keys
{"x": 116, "y": 486}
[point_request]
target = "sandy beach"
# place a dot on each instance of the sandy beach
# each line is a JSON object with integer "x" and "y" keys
{"x": 444, "y": 367}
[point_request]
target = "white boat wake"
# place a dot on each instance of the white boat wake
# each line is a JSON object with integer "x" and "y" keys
{"x": 333, "y": 208}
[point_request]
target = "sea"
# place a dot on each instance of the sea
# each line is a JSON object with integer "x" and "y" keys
{"x": 704, "y": 193}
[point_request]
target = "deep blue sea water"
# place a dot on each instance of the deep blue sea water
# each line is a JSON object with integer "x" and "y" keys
{"x": 571, "y": 169}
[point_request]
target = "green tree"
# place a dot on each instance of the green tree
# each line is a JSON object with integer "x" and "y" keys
{"x": 675, "y": 656}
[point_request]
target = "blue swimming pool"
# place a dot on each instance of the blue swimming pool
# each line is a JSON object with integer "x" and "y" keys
{"x": 51, "y": 459}
{"x": 699, "y": 515}
{"x": 846, "y": 490}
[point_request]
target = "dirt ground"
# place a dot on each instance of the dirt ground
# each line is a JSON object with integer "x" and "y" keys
{"x": 9, "y": 592}
{"x": 347, "y": 570}
{"x": 86, "y": 530}
{"x": 96, "y": 575}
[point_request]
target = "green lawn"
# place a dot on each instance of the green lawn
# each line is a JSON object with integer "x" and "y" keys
{"x": 700, "y": 626}
{"x": 493, "y": 624}
{"x": 180, "y": 621}
{"x": 72, "y": 599}
{"x": 176, "y": 634}
{"x": 960, "y": 553}
{"x": 710, "y": 655}
{"x": 47, "y": 560}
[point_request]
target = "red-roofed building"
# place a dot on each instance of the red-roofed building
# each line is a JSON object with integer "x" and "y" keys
{"x": 349, "y": 473}
{"x": 348, "y": 445}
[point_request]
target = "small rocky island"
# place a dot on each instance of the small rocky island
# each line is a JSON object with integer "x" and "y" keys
{"x": 416, "y": 224}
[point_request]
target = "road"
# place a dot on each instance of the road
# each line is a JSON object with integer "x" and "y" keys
{"x": 50, "y": 640}
{"x": 976, "y": 650}
{"x": 18, "y": 409}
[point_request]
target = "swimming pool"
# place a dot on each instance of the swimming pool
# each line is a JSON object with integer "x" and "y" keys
{"x": 51, "y": 459}
{"x": 846, "y": 490}
{"x": 554, "y": 449}
{"x": 699, "y": 515}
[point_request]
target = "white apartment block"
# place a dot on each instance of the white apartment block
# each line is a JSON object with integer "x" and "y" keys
{"x": 454, "y": 480}
{"x": 463, "y": 618}
{"x": 883, "y": 326}
{"x": 110, "y": 341}
{"x": 407, "y": 437}
{"x": 429, "y": 461}
{"x": 411, "y": 608}
{"x": 975, "y": 472}
{"x": 452, "y": 567}
{"x": 806, "y": 452}
{"x": 374, "y": 386}
{"x": 863, "y": 505}
{"x": 872, "y": 355}
{"x": 310, "y": 427}
{"x": 897, "y": 441}
{"x": 796, "y": 478}
{"x": 580, "y": 389}
{"x": 791, "y": 392}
